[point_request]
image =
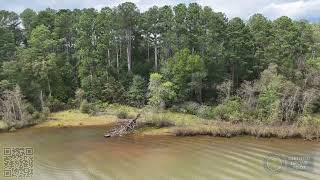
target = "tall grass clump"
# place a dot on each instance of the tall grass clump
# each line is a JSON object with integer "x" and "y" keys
{"x": 157, "y": 120}
{"x": 227, "y": 129}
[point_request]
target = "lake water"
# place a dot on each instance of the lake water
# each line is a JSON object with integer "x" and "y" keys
{"x": 83, "y": 153}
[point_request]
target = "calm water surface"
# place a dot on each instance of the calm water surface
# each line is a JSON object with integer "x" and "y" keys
{"x": 83, "y": 153}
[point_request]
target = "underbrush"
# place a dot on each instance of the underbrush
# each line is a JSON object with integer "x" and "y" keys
{"x": 194, "y": 108}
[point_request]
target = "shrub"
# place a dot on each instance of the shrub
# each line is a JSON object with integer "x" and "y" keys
{"x": 79, "y": 96}
{"x": 85, "y": 106}
{"x": 46, "y": 111}
{"x": 36, "y": 115}
{"x": 30, "y": 108}
{"x": 137, "y": 92}
{"x": 99, "y": 105}
{"x": 205, "y": 112}
{"x": 113, "y": 91}
{"x": 55, "y": 105}
{"x": 190, "y": 107}
{"x": 3, "y": 125}
{"x": 229, "y": 110}
{"x": 122, "y": 114}
{"x": 161, "y": 93}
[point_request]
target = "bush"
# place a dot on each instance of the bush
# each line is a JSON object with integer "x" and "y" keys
{"x": 161, "y": 93}
{"x": 100, "y": 106}
{"x": 45, "y": 113}
{"x": 85, "y": 106}
{"x": 137, "y": 92}
{"x": 229, "y": 110}
{"x": 113, "y": 91}
{"x": 3, "y": 125}
{"x": 79, "y": 96}
{"x": 205, "y": 112}
{"x": 30, "y": 108}
{"x": 122, "y": 114}
{"x": 36, "y": 115}
{"x": 55, "y": 105}
{"x": 190, "y": 107}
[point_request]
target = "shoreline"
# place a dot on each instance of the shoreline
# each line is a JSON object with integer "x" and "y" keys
{"x": 160, "y": 124}
{"x": 172, "y": 131}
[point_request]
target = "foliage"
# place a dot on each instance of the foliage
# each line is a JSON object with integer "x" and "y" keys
{"x": 187, "y": 72}
{"x": 79, "y": 96}
{"x": 137, "y": 92}
{"x": 45, "y": 113}
{"x": 165, "y": 56}
{"x": 230, "y": 110}
{"x": 55, "y": 105}
{"x": 161, "y": 93}
{"x": 85, "y": 107}
{"x": 189, "y": 107}
{"x": 206, "y": 112}
{"x": 122, "y": 114}
{"x": 273, "y": 99}
{"x": 113, "y": 91}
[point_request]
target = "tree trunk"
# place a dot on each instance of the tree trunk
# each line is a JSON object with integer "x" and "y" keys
{"x": 232, "y": 76}
{"x": 117, "y": 60}
{"x": 41, "y": 100}
{"x": 109, "y": 59}
{"x": 148, "y": 53}
{"x": 120, "y": 49}
{"x": 159, "y": 57}
{"x": 200, "y": 95}
{"x": 49, "y": 87}
{"x": 155, "y": 58}
{"x": 129, "y": 49}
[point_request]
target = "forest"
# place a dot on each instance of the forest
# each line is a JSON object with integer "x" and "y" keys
{"x": 186, "y": 58}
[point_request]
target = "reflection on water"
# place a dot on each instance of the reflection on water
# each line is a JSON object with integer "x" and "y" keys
{"x": 83, "y": 153}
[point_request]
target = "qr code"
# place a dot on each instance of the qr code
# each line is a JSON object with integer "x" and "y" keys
{"x": 18, "y": 162}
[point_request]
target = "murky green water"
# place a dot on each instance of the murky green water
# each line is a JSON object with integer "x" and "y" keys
{"x": 83, "y": 153}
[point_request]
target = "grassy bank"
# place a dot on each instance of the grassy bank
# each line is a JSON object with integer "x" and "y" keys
{"x": 178, "y": 124}
{"x": 74, "y": 118}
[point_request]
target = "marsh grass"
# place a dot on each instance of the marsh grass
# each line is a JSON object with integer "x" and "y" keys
{"x": 224, "y": 129}
{"x": 156, "y": 123}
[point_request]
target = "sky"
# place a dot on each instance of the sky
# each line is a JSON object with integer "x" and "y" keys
{"x": 296, "y": 9}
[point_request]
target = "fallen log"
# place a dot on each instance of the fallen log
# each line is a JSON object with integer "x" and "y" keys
{"x": 123, "y": 128}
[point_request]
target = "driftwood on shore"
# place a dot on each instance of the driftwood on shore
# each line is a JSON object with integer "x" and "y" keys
{"x": 123, "y": 127}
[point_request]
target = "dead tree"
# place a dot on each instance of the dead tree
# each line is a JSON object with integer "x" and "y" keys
{"x": 123, "y": 128}
{"x": 13, "y": 108}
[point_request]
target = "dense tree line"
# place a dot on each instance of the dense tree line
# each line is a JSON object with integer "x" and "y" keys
{"x": 110, "y": 54}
